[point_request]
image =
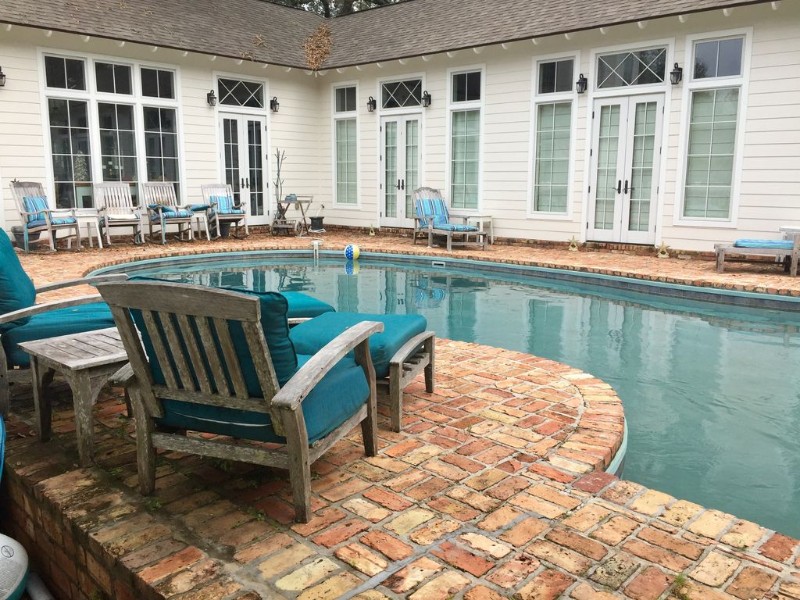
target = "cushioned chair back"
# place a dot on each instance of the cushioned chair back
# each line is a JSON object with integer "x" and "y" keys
{"x": 16, "y": 288}
{"x": 29, "y": 197}
{"x": 195, "y": 354}
{"x": 158, "y": 193}
{"x": 221, "y": 196}
{"x": 115, "y": 197}
{"x": 430, "y": 205}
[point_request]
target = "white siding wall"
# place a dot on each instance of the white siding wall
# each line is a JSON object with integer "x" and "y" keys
{"x": 769, "y": 178}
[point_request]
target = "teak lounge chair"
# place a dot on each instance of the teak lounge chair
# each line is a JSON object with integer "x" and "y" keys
{"x": 22, "y": 320}
{"x": 747, "y": 249}
{"x": 433, "y": 217}
{"x": 163, "y": 210}
{"x": 115, "y": 208}
{"x": 37, "y": 216}
{"x": 224, "y": 209}
{"x": 220, "y": 362}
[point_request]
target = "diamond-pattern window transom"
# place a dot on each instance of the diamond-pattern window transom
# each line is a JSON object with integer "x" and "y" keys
{"x": 234, "y": 92}
{"x": 624, "y": 69}
{"x": 398, "y": 94}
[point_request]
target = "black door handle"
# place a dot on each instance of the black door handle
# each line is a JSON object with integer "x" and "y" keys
{"x": 398, "y": 184}
{"x": 619, "y": 186}
{"x": 402, "y": 184}
{"x": 627, "y": 189}
{"x": 247, "y": 183}
{"x": 242, "y": 184}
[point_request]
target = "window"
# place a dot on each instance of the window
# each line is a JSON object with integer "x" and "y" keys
{"x": 234, "y": 92}
{"x": 64, "y": 73}
{"x": 113, "y": 79}
{"x": 345, "y": 145}
{"x": 638, "y": 67}
{"x": 135, "y": 135}
{"x": 551, "y": 162}
{"x": 157, "y": 83}
{"x": 69, "y": 140}
{"x": 465, "y": 139}
{"x": 399, "y": 94}
{"x": 714, "y": 96}
{"x": 555, "y": 76}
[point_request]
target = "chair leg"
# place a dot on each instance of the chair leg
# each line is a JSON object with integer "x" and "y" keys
{"x": 395, "y": 398}
{"x": 299, "y": 463}
{"x": 430, "y": 349}
{"x": 5, "y": 388}
{"x": 145, "y": 451}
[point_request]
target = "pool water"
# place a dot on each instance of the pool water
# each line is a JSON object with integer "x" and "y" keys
{"x": 711, "y": 392}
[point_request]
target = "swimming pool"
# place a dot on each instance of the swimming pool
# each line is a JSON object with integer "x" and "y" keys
{"x": 711, "y": 390}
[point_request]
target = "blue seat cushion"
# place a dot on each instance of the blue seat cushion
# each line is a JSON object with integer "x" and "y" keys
{"x": 224, "y": 205}
{"x": 16, "y": 288}
{"x": 54, "y": 221}
{"x": 310, "y": 336}
{"x": 777, "y": 244}
{"x": 62, "y": 321}
{"x": 456, "y": 227}
{"x": 198, "y": 207}
{"x": 169, "y": 212}
{"x": 304, "y": 306}
{"x": 340, "y": 393}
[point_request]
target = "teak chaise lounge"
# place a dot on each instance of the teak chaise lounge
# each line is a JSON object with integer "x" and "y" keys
{"x": 747, "y": 249}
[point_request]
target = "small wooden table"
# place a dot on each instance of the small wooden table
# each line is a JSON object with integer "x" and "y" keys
{"x": 87, "y": 361}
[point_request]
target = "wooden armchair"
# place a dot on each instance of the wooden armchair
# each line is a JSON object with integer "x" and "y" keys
{"x": 434, "y": 218}
{"x": 224, "y": 210}
{"x": 220, "y": 362}
{"x": 115, "y": 208}
{"x": 163, "y": 210}
{"x": 37, "y": 216}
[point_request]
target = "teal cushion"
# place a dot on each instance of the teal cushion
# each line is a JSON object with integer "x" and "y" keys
{"x": 62, "y": 321}
{"x": 16, "y": 288}
{"x": 35, "y": 205}
{"x": 53, "y": 221}
{"x": 224, "y": 205}
{"x": 778, "y": 244}
{"x": 455, "y": 227}
{"x": 302, "y": 306}
{"x": 310, "y": 336}
{"x": 339, "y": 394}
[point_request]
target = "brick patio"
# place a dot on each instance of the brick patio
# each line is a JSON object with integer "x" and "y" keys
{"x": 490, "y": 491}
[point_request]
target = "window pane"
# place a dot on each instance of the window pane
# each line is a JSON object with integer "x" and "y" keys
{"x": 401, "y": 93}
{"x": 709, "y": 163}
{"x": 345, "y": 99}
{"x": 345, "y": 148}
{"x": 466, "y": 86}
{"x": 122, "y": 79}
{"x": 149, "y": 83}
{"x": 547, "y": 78}
{"x": 55, "y": 72}
{"x": 551, "y": 164}
{"x": 464, "y": 158}
{"x": 70, "y": 152}
{"x": 160, "y": 142}
{"x": 718, "y": 58}
{"x": 166, "y": 84}
{"x": 564, "y": 72}
{"x": 75, "y": 75}
{"x": 639, "y": 67}
{"x": 234, "y": 92}
{"x": 730, "y": 58}
{"x": 104, "y": 75}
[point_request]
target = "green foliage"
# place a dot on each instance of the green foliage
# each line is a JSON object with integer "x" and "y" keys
{"x": 152, "y": 504}
{"x": 335, "y": 8}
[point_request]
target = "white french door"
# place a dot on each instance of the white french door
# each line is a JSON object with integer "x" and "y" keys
{"x": 400, "y": 161}
{"x": 244, "y": 163}
{"x": 626, "y": 153}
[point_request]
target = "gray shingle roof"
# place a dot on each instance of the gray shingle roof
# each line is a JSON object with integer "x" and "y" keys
{"x": 264, "y": 32}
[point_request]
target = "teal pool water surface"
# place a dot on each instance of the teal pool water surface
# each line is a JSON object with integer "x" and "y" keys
{"x": 711, "y": 391}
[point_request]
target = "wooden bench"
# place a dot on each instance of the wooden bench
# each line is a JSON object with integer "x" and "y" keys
{"x": 786, "y": 251}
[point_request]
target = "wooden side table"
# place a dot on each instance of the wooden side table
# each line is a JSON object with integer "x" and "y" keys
{"x": 482, "y": 221}
{"x": 87, "y": 361}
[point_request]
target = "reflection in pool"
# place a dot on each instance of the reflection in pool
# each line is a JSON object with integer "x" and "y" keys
{"x": 711, "y": 392}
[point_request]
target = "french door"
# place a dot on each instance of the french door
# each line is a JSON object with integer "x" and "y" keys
{"x": 400, "y": 162}
{"x": 626, "y": 153}
{"x": 244, "y": 162}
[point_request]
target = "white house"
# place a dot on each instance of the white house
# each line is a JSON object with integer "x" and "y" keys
{"x": 626, "y": 121}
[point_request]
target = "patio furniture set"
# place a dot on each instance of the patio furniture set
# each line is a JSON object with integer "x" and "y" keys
{"x": 222, "y": 364}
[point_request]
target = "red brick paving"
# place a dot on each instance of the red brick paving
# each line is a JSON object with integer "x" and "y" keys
{"x": 464, "y": 503}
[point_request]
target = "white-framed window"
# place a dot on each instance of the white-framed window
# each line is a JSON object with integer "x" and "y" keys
{"x": 552, "y": 135}
{"x": 402, "y": 93}
{"x": 466, "y": 94}
{"x": 109, "y": 121}
{"x": 345, "y": 145}
{"x": 716, "y": 76}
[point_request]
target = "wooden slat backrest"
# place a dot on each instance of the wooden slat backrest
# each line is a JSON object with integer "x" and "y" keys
{"x": 187, "y": 326}
{"x": 114, "y": 197}
{"x": 215, "y": 189}
{"x": 159, "y": 193}
{"x": 21, "y": 189}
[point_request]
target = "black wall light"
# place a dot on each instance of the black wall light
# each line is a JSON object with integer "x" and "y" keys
{"x": 211, "y": 98}
{"x": 676, "y": 75}
{"x": 372, "y": 104}
{"x": 426, "y": 99}
{"x": 2, "y": 77}
{"x": 581, "y": 84}
{"x": 274, "y": 105}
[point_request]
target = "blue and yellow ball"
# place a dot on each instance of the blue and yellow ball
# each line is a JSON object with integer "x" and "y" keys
{"x": 351, "y": 252}
{"x": 351, "y": 267}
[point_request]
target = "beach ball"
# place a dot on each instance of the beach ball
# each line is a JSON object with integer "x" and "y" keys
{"x": 351, "y": 267}
{"x": 351, "y": 252}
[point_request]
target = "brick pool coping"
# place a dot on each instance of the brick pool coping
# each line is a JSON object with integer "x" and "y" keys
{"x": 489, "y": 492}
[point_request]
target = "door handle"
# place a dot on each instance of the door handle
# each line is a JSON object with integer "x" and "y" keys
{"x": 247, "y": 183}
{"x": 398, "y": 184}
{"x": 618, "y": 189}
{"x": 627, "y": 189}
{"x": 242, "y": 184}
{"x": 402, "y": 184}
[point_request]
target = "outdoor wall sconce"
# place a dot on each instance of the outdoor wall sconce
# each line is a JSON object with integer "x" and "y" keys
{"x": 426, "y": 99}
{"x": 372, "y": 104}
{"x": 274, "y": 105}
{"x": 581, "y": 84}
{"x": 211, "y": 98}
{"x": 2, "y": 77}
{"x": 676, "y": 75}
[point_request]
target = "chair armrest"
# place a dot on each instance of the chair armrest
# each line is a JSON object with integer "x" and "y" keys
{"x": 292, "y": 394}
{"x": 47, "y": 306}
{"x": 49, "y": 287}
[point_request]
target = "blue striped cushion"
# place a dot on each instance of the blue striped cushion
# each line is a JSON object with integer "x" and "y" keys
{"x": 171, "y": 212}
{"x": 55, "y": 221}
{"x": 777, "y": 244}
{"x": 455, "y": 227}
{"x": 35, "y": 204}
{"x": 434, "y": 209}
{"x": 224, "y": 205}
